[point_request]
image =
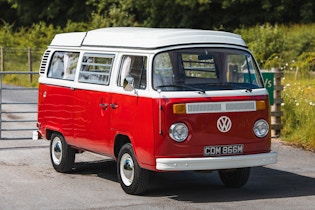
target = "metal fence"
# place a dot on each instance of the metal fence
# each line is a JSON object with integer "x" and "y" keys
{"x": 18, "y": 104}
{"x": 18, "y": 108}
{"x": 27, "y": 59}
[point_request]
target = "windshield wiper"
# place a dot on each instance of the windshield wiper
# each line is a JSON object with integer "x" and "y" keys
{"x": 183, "y": 86}
{"x": 230, "y": 86}
{"x": 247, "y": 89}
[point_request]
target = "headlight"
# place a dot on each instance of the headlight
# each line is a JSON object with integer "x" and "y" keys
{"x": 178, "y": 132}
{"x": 261, "y": 128}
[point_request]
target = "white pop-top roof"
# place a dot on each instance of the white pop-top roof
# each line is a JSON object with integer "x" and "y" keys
{"x": 149, "y": 38}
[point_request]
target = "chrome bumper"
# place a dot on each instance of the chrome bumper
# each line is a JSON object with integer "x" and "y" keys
{"x": 215, "y": 163}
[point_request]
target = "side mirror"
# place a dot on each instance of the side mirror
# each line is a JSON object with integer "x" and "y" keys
{"x": 128, "y": 83}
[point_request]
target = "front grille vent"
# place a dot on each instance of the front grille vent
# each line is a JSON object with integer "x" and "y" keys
{"x": 217, "y": 107}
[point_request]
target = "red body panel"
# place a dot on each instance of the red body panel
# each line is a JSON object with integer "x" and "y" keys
{"x": 133, "y": 117}
{"x": 55, "y": 110}
{"x": 91, "y": 122}
{"x": 77, "y": 114}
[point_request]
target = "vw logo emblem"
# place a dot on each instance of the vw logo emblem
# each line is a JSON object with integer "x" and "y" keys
{"x": 224, "y": 124}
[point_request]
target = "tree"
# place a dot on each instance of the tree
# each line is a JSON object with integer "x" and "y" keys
{"x": 57, "y": 12}
{"x": 205, "y": 14}
{"x": 7, "y": 12}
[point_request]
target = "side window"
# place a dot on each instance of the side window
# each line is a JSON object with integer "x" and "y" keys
{"x": 63, "y": 65}
{"x": 163, "y": 73}
{"x": 135, "y": 67}
{"x": 96, "y": 68}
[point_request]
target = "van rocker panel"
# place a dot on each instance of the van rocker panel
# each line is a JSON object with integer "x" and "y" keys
{"x": 215, "y": 163}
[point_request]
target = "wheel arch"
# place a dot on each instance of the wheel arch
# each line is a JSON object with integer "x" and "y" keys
{"x": 49, "y": 133}
{"x": 120, "y": 140}
{"x": 50, "y": 130}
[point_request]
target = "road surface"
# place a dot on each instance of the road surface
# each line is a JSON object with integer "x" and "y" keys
{"x": 28, "y": 181}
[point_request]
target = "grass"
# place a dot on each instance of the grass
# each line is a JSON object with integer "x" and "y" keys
{"x": 299, "y": 112}
{"x": 21, "y": 80}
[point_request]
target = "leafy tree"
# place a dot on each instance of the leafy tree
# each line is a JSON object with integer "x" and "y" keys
{"x": 267, "y": 42}
{"x": 206, "y": 14}
{"x": 57, "y": 12}
{"x": 6, "y": 37}
{"x": 7, "y": 12}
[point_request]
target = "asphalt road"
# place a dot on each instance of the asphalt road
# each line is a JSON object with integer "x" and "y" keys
{"x": 28, "y": 181}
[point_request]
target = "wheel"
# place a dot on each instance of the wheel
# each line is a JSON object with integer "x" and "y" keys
{"x": 236, "y": 178}
{"x": 61, "y": 154}
{"x": 133, "y": 179}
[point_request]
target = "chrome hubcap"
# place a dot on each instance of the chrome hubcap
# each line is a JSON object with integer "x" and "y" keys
{"x": 56, "y": 150}
{"x": 127, "y": 169}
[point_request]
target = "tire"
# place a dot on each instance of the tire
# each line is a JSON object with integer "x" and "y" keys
{"x": 61, "y": 154}
{"x": 133, "y": 179}
{"x": 236, "y": 178}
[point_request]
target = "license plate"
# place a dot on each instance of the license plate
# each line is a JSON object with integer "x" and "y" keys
{"x": 223, "y": 150}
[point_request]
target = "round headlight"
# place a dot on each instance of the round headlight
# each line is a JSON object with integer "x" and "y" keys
{"x": 178, "y": 132}
{"x": 261, "y": 128}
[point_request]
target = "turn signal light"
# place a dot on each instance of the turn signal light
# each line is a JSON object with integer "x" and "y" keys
{"x": 260, "y": 105}
{"x": 179, "y": 108}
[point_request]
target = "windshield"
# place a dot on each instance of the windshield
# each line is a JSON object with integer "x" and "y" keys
{"x": 205, "y": 69}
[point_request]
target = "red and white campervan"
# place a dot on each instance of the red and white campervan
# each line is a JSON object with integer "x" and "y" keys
{"x": 155, "y": 100}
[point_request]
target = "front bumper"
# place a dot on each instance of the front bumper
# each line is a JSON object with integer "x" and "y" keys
{"x": 215, "y": 163}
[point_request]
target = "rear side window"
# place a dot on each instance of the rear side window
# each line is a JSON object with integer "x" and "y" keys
{"x": 96, "y": 68}
{"x": 63, "y": 65}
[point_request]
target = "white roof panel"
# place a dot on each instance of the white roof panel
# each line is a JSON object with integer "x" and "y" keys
{"x": 151, "y": 38}
{"x": 69, "y": 39}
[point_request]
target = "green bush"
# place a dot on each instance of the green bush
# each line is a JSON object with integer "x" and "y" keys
{"x": 7, "y": 38}
{"x": 264, "y": 41}
{"x": 289, "y": 48}
{"x": 299, "y": 112}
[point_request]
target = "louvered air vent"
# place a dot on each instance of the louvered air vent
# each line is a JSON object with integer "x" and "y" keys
{"x": 44, "y": 62}
{"x": 218, "y": 107}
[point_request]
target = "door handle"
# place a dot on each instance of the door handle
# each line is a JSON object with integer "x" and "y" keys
{"x": 114, "y": 106}
{"x": 104, "y": 106}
